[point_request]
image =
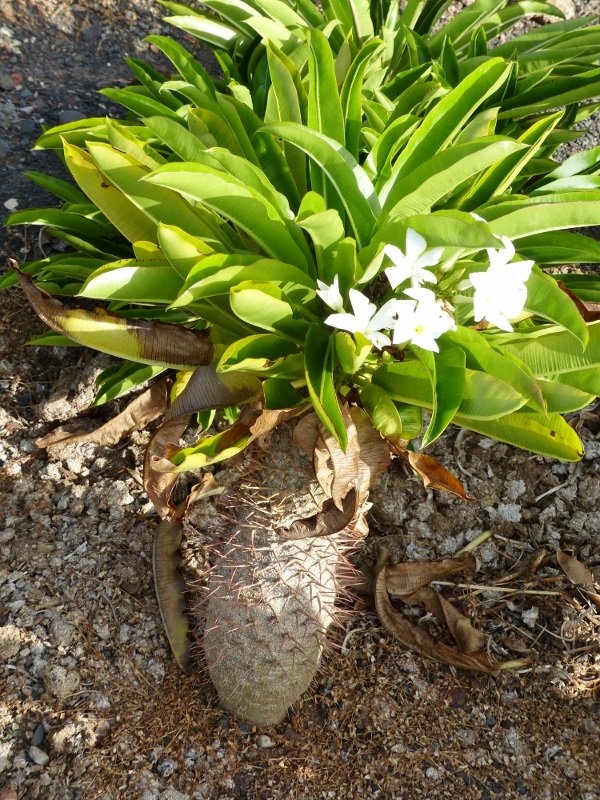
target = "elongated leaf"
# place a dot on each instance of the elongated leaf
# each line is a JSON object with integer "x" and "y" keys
{"x": 207, "y": 29}
{"x": 562, "y": 398}
{"x": 121, "y": 378}
{"x": 136, "y": 340}
{"x": 134, "y": 282}
{"x": 239, "y": 203}
{"x": 484, "y": 397}
{"x": 169, "y": 587}
{"x": 526, "y": 217}
{"x": 290, "y": 279}
{"x": 442, "y": 175}
{"x": 547, "y": 300}
{"x": 548, "y": 435}
{"x": 353, "y": 187}
{"x": 178, "y": 138}
{"x": 159, "y": 204}
{"x": 264, "y": 306}
{"x": 560, "y": 248}
{"x": 318, "y": 357}
{"x": 66, "y": 191}
{"x": 445, "y": 120}
{"x": 481, "y": 355}
{"x": 188, "y": 67}
{"x": 446, "y": 371}
{"x": 556, "y": 351}
{"x": 126, "y": 216}
{"x": 352, "y": 97}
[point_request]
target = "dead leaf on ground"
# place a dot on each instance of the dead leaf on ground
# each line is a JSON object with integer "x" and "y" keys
{"x": 147, "y": 407}
{"x": 579, "y": 574}
{"x": 407, "y": 581}
{"x": 436, "y": 476}
{"x": 170, "y": 587}
{"x": 326, "y": 522}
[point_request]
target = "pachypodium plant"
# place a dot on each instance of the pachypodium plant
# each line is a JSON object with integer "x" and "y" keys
{"x": 344, "y": 243}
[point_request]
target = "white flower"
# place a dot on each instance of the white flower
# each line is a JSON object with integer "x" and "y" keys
{"x": 331, "y": 295}
{"x": 422, "y": 320}
{"x": 500, "y": 291}
{"x": 366, "y": 319}
{"x": 411, "y": 265}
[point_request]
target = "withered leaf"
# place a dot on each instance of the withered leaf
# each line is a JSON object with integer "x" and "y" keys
{"x": 169, "y": 587}
{"x": 589, "y": 310}
{"x": 578, "y": 574}
{"x": 469, "y": 653}
{"x": 374, "y": 451}
{"x": 206, "y": 389}
{"x": 139, "y": 413}
{"x": 306, "y": 433}
{"x": 145, "y": 341}
{"x": 406, "y": 578}
{"x": 343, "y": 465}
{"x": 436, "y": 476}
{"x": 326, "y": 522}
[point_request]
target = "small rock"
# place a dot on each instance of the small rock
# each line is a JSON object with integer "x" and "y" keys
{"x": 61, "y": 683}
{"x": 38, "y": 756}
{"x": 166, "y": 768}
{"x": 6, "y": 83}
{"x": 265, "y": 741}
{"x": 291, "y": 734}
{"x": 38, "y": 736}
{"x": 11, "y": 204}
{"x": 69, "y": 115}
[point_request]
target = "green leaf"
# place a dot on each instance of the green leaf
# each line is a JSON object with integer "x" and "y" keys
{"x": 119, "y": 379}
{"x": 555, "y": 351}
{"x": 294, "y": 283}
{"x": 350, "y": 182}
{"x": 352, "y": 96}
{"x": 138, "y": 103}
{"x": 133, "y": 282}
{"x": 560, "y": 248}
{"x": 177, "y": 137}
{"x": 546, "y": 299}
{"x": 264, "y": 306}
{"x": 239, "y": 203}
{"x": 481, "y": 355}
{"x": 442, "y": 175}
{"x": 159, "y": 204}
{"x": 181, "y": 249}
{"x": 256, "y": 353}
{"x": 66, "y": 191}
{"x": 562, "y": 398}
{"x": 207, "y": 29}
{"x": 444, "y": 121}
{"x": 484, "y": 397}
{"x": 446, "y": 371}
{"x": 76, "y": 133}
{"x": 525, "y": 217}
{"x": 549, "y": 435}
{"x": 586, "y": 286}
{"x": 318, "y": 356}
{"x": 280, "y": 394}
{"x": 382, "y": 410}
{"x": 188, "y": 67}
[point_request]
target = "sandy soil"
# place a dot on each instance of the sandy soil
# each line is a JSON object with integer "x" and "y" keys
{"x": 91, "y": 704}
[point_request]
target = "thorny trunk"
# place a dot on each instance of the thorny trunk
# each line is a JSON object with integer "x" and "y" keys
{"x": 270, "y": 600}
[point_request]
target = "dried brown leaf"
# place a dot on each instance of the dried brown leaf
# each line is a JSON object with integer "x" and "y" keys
{"x": 579, "y": 574}
{"x": 467, "y": 638}
{"x": 589, "y": 310}
{"x": 406, "y": 578}
{"x": 468, "y": 655}
{"x": 344, "y": 465}
{"x": 306, "y": 433}
{"x": 169, "y": 587}
{"x": 436, "y": 476}
{"x": 374, "y": 451}
{"x": 146, "y": 341}
{"x": 326, "y": 522}
{"x": 139, "y": 413}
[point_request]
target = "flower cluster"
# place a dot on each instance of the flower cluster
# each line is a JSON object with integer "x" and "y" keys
{"x": 418, "y": 317}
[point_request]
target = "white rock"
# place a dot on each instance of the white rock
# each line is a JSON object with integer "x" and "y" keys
{"x": 11, "y": 204}
{"x": 38, "y": 756}
{"x": 265, "y": 741}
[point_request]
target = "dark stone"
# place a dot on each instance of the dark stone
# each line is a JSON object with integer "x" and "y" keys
{"x": 69, "y": 115}
{"x": 506, "y": 724}
{"x": 38, "y": 736}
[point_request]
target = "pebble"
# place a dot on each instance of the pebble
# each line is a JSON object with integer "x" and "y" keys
{"x": 265, "y": 741}
{"x": 69, "y": 115}
{"x": 38, "y": 736}
{"x": 11, "y": 204}
{"x": 38, "y": 756}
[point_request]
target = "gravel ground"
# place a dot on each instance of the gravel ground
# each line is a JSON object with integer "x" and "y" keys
{"x": 91, "y": 704}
